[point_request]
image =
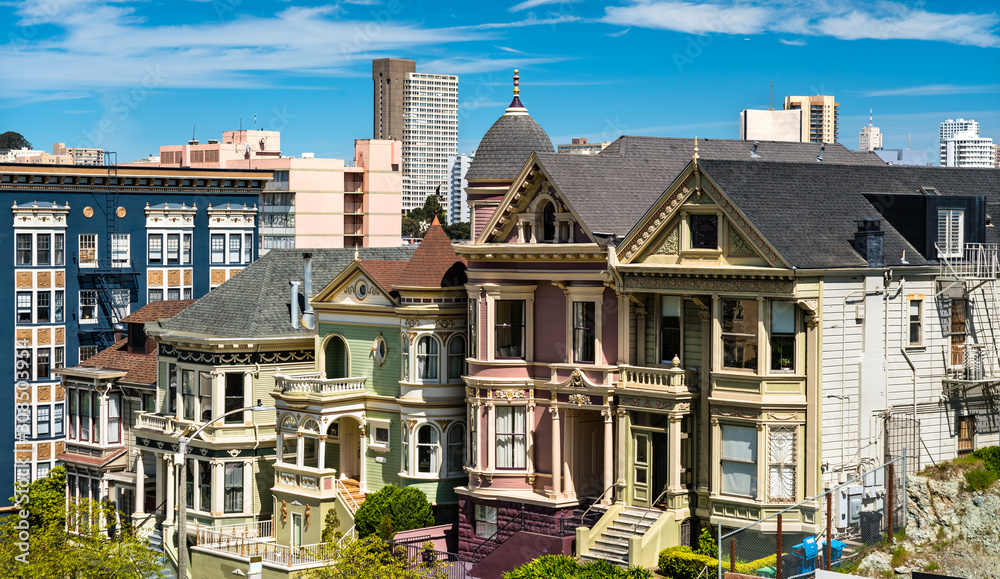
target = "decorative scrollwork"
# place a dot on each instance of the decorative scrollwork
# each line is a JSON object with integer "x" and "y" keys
{"x": 580, "y": 399}
{"x": 509, "y": 393}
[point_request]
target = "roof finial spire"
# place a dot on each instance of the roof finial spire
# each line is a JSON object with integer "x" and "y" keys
{"x": 516, "y": 108}
{"x": 694, "y": 158}
{"x": 517, "y": 81}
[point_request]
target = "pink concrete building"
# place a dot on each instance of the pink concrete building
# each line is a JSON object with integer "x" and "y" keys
{"x": 311, "y": 202}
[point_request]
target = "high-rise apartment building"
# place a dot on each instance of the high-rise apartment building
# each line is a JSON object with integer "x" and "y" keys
{"x": 458, "y": 201}
{"x": 961, "y": 145}
{"x": 870, "y": 137}
{"x": 820, "y": 117}
{"x": 424, "y": 115}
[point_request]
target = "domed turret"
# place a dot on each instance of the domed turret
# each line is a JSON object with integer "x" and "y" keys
{"x": 508, "y": 144}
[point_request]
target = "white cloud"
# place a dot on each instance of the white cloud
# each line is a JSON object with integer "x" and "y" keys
{"x": 619, "y": 33}
{"x": 508, "y": 49}
{"x": 848, "y": 20}
{"x": 535, "y": 3}
{"x": 796, "y": 42}
{"x": 936, "y": 89}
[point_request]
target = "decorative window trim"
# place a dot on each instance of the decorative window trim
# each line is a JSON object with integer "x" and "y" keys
{"x": 496, "y": 292}
{"x": 374, "y": 424}
{"x": 917, "y": 322}
{"x": 781, "y": 463}
{"x": 380, "y": 349}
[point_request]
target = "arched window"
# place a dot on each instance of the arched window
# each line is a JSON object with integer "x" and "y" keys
{"x": 336, "y": 358}
{"x": 456, "y": 449}
{"x": 427, "y": 358}
{"x": 405, "y": 357}
{"x": 289, "y": 440}
{"x": 549, "y": 222}
{"x": 456, "y": 358}
{"x": 310, "y": 444}
{"x": 427, "y": 449}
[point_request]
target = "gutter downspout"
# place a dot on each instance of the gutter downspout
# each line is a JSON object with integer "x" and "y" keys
{"x": 308, "y": 317}
{"x": 902, "y": 349}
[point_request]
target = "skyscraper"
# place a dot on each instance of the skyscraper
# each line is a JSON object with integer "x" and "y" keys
{"x": 961, "y": 145}
{"x": 457, "y": 200}
{"x": 820, "y": 117}
{"x": 870, "y": 137}
{"x": 421, "y": 110}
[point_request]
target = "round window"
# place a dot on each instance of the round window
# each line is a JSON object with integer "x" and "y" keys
{"x": 362, "y": 290}
{"x": 380, "y": 349}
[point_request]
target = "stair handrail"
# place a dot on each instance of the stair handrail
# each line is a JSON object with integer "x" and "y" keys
{"x": 643, "y": 517}
{"x": 594, "y": 504}
{"x": 140, "y": 525}
{"x": 519, "y": 520}
{"x": 342, "y": 489}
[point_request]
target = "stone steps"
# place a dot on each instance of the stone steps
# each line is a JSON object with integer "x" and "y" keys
{"x": 612, "y": 545}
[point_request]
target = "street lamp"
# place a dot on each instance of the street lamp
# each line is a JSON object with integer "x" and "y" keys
{"x": 182, "y": 483}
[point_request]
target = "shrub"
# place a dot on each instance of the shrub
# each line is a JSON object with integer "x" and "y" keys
{"x": 990, "y": 457}
{"x": 563, "y": 567}
{"x": 406, "y": 508}
{"x": 978, "y": 479}
{"x": 706, "y": 543}
{"x": 683, "y": 563}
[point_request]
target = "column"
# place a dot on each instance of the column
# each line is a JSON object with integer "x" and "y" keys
{"x": 168, "y": 465}
{"x": 556, "y": 453}
{"x": 608, "y": 456}
{"x": 529, "y": 443}
{"x": 362, "y": 462}
{"x": 322, "y": 452}
{"x": 640, "y": 332}
{"x": 140, "y": 485}
{"x": 300, "y": 448}
{"x": 674, "y": 444}
{"x": 702, "y": 427}
{"x": 812, "y": 441}
{"x": 569, "y": 486}
{"x": 622, "y": 454}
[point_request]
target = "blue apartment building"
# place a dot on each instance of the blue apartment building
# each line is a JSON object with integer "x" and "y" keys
{"x": 84, "y": 247}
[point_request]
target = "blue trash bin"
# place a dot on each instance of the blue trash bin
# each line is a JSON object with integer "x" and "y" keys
{"x": 836, "y": 550}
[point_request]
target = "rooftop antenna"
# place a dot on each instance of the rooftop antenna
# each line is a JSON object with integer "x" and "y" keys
{"x": 770, "y": 105}
{"x": 193, "y": 129}
{"x": 870, "y": 116}
{"x": 255, "y": 121}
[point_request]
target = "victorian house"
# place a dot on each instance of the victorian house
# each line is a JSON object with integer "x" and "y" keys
{"x": 660, "y": 330}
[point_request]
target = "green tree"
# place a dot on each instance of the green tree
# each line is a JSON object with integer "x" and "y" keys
{"x": 422, "y": 217}
{"x": 46, "y": 503}
{"x": 407, "y": 508}
{"x": 13, "y": 140}
{"x": 90, "y": 546}
{"x": 331, "y": 527}
{"x": 411, "y": 228}
{"x": 706, "y": 543}
{"x": 373, "y": 558}
{"x": 458, "y": 231}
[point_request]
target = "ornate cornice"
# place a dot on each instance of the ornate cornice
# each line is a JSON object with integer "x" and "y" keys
{"x": 707, "y": 284}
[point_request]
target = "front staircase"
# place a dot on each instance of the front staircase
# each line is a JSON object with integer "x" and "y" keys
{"x": 350, "y": 490}
{"x": 612, "y": 545}
{"x": 155, "y": 538}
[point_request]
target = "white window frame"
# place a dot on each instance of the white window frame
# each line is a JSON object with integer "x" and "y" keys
{"x": 88, "y": 242}
{"x": 751, "y": 461}
{"x": 95, "y": 305}
{"x": 486, "y": 521}
{"x": 950, "y": 225}
{"x": 433, "y": 446}
{"x": 121, "y": 255}
{"x": 782, "y": 475}
{"x": 918, "y": 300}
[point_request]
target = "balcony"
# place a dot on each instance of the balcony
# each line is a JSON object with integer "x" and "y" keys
{"x": 675, "y": 380}
{"x": 970, "y": 365}
{"x": 176, "y": 426}
{"x": 306, "y": 480}
{"x": 314, "y": 383}
{"x": 257, "y": 539}
{"x": 974, "y": 261}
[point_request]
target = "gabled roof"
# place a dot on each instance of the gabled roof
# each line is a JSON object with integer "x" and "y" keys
{"x": 610, "y": 191}
{"x": 808, "y": 210}
{"x": 434, "y": 264}
{"x": 157, "y": 311}
{"x": 256, "y": 302}
{"x": 383, "y": 272}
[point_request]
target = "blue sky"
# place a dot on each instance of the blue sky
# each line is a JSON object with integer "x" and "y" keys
{"x": 131, "y": 76}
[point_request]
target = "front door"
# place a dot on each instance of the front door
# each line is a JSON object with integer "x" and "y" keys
{"x": 350, "y": 450}
{"x": 296, "y": 529}
{"x": 642, "y": 452}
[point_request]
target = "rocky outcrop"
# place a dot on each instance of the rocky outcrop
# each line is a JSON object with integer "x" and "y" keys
{"x": 939, "y": 511}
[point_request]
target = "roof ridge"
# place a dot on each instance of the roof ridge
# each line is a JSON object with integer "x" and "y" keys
{"x": 262, "y": 287}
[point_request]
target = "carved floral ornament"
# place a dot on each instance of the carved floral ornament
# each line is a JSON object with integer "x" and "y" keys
{"x": 470, "y": 392}
{"x": 509, "y": 393}
{"x": 733, "y": 412}
{"x": 580, "y": 399}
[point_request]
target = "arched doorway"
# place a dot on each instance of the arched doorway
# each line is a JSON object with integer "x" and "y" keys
{"x": 335, "y": 356}
{"x": 344, "y": 447}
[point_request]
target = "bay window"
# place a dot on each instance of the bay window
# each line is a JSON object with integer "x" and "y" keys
{"x": 456, "y": 358}
{"x": 427, "y": 358}
{"x": 234, "y": 397}
{"x": 233, "y": 488}
{"x": 670, "y": 328}
{"x": 583, "y": 332}
{"x": 427, "y": 449}
{"x": 114, "y": 419}
{"x": 205, "y": 485}
{"x": 782, "y": 336}
{"x": 510, "y": 437}
{"x": 739, "y": 334}
{"x": 739, "y": 460}
{"x": 456, "y": 449}
{"x": 187, "y": 393}
{"x": 509, "y": 329}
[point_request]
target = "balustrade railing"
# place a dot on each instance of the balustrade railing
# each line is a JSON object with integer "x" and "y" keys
{"x": 314, "y": 383}
{"x": 641, "y": 377}
{"x": 151, "y": 422}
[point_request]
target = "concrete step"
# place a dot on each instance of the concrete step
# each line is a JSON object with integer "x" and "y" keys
{"x": 607, "y": 556}
{"x": 611, "y": 546}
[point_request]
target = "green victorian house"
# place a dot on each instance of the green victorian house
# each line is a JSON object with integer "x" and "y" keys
{"x": 385, "y": 401}
{"x": 229, "y": 350}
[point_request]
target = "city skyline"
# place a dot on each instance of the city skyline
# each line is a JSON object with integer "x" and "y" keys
{"x": 127, "y": 77}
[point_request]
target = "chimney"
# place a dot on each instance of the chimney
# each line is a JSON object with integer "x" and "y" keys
{"x": 869, "y": 241}
{"x": 307, "y": 273}
{"x": 295, "y": 304}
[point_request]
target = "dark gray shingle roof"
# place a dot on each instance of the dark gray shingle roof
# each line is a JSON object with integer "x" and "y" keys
{"x": 612, "y": 190}
{"x": 506, "y": 146}
{"x": 807, "y": 210}
{"x": 255, "y": 303}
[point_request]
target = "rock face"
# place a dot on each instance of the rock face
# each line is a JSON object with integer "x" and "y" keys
{"x": 939, "y": 512}
{"x": 875, "y": 563}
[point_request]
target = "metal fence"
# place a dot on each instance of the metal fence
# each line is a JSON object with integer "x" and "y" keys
{"x": 417, "y": 557}
{"x": 828, "y": 531}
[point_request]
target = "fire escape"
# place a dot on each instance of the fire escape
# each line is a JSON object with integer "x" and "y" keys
{"x": 112, "y": 275}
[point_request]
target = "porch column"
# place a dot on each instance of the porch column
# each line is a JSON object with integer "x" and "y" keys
{"x": 608, "y": 457}
{"x": 622, "y": 453}
{"x": 322, "y": 452}
{"x": 674, "y": 452}
{"x": 362, "y": 451}
{"x": 529, "y": 442}
{"x": 168, "y": 465}
{"x": 569, "y": 485}
{"x": 702, "y": 429}
{"x": 556, "y": 453}
{"x": 299, "y": 448}
{"x": 640, "y": 332}
{"x": 140, "y": 485}
{"x": 812, "y": 430}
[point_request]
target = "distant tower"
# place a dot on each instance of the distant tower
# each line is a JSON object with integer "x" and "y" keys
{"x": 871, "y": 137}
{"x": 961, "y": 145}
{"x": 389, "y": 76}
{"x": 820, "y": 117}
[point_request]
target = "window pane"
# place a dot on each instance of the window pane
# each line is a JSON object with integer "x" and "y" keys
{"x": 510, "y": 328}
{"x": 44, "y": 254}
{"x": 739, "y": 478}
{"x": 670, "y": 328}
{"x": 704, "y": 231}
{"x": 218, "y": 245}
{"x": 234, "y": 488}
{"x": 739, "y": 334}
{"x": 173, "y": 248}
{"x": 59, "y": 249}
{"x": 739, "y": 443}
{"x": 23, "y": 249}
{"x": 583, "y": 331}
{"x": 782, "y": 317}
{"x": 234, "y": 248}
{"x": 234, "y": 397}
{"x": 456, "y": 358}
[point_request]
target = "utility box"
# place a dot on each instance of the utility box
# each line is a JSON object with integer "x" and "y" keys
{"x": 849, "y": 501}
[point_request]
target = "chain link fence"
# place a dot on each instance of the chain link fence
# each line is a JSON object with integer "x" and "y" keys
{"x": 829, "y": 531}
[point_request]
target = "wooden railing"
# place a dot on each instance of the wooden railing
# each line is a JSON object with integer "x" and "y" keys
{"x": 658, "y": 378}
{"x": 314, "y": 383}
{"x": 253, "y": 530}
{"x": 346, "y": 495}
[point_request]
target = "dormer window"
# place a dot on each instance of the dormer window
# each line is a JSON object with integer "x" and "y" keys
{"x": 549, "y": 223}
{"x": 950, "y": 232}
{"x": 136, "y": 339}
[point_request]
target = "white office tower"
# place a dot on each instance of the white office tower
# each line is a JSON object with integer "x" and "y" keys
{"x": 458, "y": 201}
{"x": 968, "y": 150}
{"x": 430, "y": 135}
{"x": 870, "y": 137}
{"x": 951, "y": 127}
